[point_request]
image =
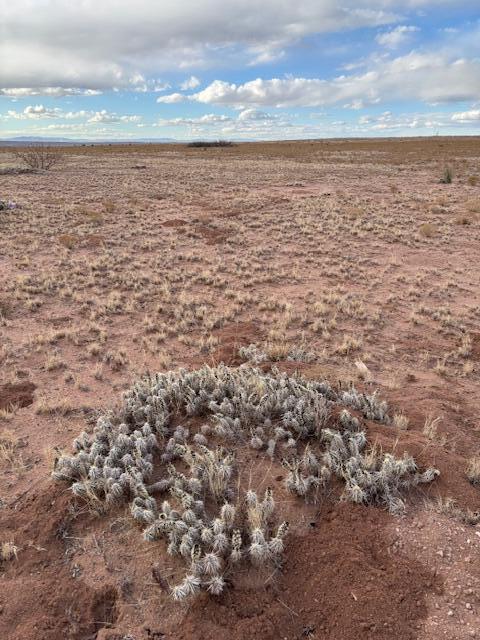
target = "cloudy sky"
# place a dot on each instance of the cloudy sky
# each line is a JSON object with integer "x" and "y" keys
{"x": 239, "y": 69}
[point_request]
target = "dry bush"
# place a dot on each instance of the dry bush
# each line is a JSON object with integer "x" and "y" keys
{"x": 212, "y": 143}
{"x": 8, "y": 552}
{"x": 68, "y": 240}
{"x": 427, "y": 230}
{"x": 463, "y": 219}
{"x": 473, "y": 470}
{"x": 38, "y": 156}
{"x": 447, "y": 177}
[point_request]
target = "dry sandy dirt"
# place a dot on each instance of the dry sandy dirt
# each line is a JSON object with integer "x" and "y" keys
{"x": 123, "y": 260}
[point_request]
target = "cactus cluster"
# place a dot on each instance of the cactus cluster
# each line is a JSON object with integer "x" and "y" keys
{"x": 205, "y": 516}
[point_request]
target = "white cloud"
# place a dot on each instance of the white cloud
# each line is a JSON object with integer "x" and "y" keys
{"x": 467, "y": 116}
{"x": 171, "y": 98}
{"x": 104, "y": 116}
{"x": 206, "y": 120}
{"x": 39, "y": 112}
{"x": 249, "y": 123}
{"x": 189, "y": 84}
{"x": 396, "y": 37}
{"x": 116, "y": 44}
{"x": 50, "y": 92}
{"x": 427, "y": 77}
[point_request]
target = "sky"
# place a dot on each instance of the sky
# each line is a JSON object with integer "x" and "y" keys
{"x": 239, "y": 69}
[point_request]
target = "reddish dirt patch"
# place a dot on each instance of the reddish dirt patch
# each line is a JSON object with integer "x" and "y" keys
{"x": 212, "y": 236}
{"x": 176, "y": 222}
{"x": 476, "y": 346}
{"x": 93, "y": 241}
{"x": 16, "y": 395}
{"x": 231, "y": 338}
{"x": 341, "y": 580}
{"x": 5, "y": 308}
{"x": 44, "y": 598}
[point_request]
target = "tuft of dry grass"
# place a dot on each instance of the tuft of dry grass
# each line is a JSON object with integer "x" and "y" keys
{"x": 68, "y": 240}
{"x": 364, "y": 372}
{"x": 349, "y": 344}
{"x": 10, "y": 457}
{"x": 473, "y": 470}
{"x": 427, "y": 230}
{"x": 430, "y": 427}
{"x": 400, "y": 421}
{"x": 8, "y": 552}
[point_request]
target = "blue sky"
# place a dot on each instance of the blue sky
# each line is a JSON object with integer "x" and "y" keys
{"x": 239, "y": 70}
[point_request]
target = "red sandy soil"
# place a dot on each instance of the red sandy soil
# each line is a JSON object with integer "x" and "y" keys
{"x": 103, "y": 274}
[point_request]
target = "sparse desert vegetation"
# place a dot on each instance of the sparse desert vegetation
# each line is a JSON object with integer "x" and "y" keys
{"x": 252, "y": 371}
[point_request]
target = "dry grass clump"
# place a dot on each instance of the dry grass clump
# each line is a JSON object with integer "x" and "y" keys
{"x": 473, "y": 470}
{"x": 8, "y": 552}
{"x": 68, "y": 240}
{"x": 447, "y": 177}
{"x": 206, "y": 516}
{"x": 430, "y": 427}
{"x": 428, "y": 230}
{"x": 10, "y": 456}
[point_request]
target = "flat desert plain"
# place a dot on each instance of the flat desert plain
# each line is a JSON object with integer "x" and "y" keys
{"x": 347, "y": 262}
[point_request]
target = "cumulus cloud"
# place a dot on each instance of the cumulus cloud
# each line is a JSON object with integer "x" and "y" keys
{"x": 467, "y": 116}
{"x": 191, "y": 83}
{"x": 107, "y": 117}
{"x": 34, "y": 112}
{"x": 90, "y": 45}
{"x": 428, "y": 77}
{"x": 39, "y": 112}
{"x": 396, "y": 37}
{"x": 249, "y": 123}
{"x": 50, "y": 92}
{"x": 207, "y": 120}
{"x": 172, "y": 98}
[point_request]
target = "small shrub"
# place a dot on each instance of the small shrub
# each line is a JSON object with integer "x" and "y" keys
{"x": 447, "y": 177}
{"x": 109, "y": 206}
{"x": 473, "y": 470}
{"x": 38, "y": 156}
{"x": 427, "y": 230}
{"x": 472, "y": 181}
{"x": 67, "y": 240}
{"x": 7, "y": 205}
{"x": 213, "y": 143}
{"x": 463, "y": 219}
{"x": 8, "y": 552}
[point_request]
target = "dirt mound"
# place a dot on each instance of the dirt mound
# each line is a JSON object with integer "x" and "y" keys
{"x": 16, "y": 394}
{"x": 230, "y": 340}
{"x": 342, "y": 578}
{"x": 176, "y": 222}
{"x": 339, "y": 581}
{"x": 211, "y": 235}
{"x": 40, "y": 595}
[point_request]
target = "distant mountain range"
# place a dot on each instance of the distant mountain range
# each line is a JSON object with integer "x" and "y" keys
{"x": 25, "y": 140}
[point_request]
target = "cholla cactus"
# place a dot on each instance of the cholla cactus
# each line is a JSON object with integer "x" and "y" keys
{"x": 215, "y": 585}
{"x": 276, "y": 544}
{"x": 272, "y": 411}
{"x": 236, "y": 544}
{"x": 188, "y": 587}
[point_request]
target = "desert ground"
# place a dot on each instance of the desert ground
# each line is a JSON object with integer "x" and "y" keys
{"x": 346, "y": 261}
